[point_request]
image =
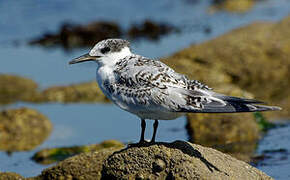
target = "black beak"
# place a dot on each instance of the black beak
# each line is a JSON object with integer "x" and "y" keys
{"x": 83, "y": 58}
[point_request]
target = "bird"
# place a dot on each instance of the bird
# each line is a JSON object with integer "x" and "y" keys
{"x": 152, "y": 90}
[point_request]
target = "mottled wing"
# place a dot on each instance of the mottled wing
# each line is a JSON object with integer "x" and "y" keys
{"x": 152, "y": 82}
{"x": 148, "y": 82}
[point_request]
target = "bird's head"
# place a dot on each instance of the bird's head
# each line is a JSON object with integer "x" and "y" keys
{"x": 106, "y": 52}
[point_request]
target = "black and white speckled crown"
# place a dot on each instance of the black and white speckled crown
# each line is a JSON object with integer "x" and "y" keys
{"x": 115, "y": 45}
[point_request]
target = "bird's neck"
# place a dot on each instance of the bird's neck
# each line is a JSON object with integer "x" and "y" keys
{"x": 111, "y": 59}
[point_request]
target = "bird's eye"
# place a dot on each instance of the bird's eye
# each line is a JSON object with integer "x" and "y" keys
{"x": 105, "y": 50}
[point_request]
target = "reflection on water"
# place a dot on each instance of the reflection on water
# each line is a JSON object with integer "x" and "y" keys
{"x": 79, "y": 124}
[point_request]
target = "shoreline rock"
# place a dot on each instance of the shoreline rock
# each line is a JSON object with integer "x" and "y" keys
{"x": 72, "y": 36}
{"x": 151, "y": 30}
{"x": 83, "y": 166}
{"x": 159, "y": 160}
{"x": 52, "y": 155}
{"x": 10, "y": 176}
{"x": 22, "y": 129}
{"x": 16, "y": 88}
{"x": 82, "y": 92}
{"x": 233, "y": 134}
{"x": 238, "y": 6}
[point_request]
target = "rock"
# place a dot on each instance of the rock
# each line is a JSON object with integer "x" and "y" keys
{"x": 15, "y": 88}
{"x": 177, "y": 160}
{"x": 150, "y": 29}
{"x": 82, "y": 92}
{"x": 233, "y": 6}
{"x": 10, "y": 176}
{"x": 22, "y": 129}
{"x": 158, "y": 165}
{"x": 83, "y": 166}
{"x": 52, "y": 155}
{"x": 234, "y": 134}
{"x": 70, "y": 36}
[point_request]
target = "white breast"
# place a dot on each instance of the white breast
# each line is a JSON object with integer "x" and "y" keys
{"x": 105, "y": 77}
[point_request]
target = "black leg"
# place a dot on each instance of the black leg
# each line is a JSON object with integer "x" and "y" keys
{"x": 155, "y": 126}
{"x": 143, "y": 126}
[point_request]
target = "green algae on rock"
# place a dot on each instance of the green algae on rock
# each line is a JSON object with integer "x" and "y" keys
{"x": 16, "y": 88}
{"x": 262, "y": 122}
{"x": 22, "y": 129}
{"x": 48, "y": 156}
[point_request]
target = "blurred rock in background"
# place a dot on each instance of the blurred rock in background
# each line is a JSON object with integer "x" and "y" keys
{"x": 22, "y": 129}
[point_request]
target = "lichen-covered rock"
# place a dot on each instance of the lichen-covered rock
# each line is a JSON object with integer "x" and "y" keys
{"x": 22, "y": 129}
{"x": 10, "y": 176}
{"x": 177, "y": 160}
{"x": 87, "y": 166}
{"x": 52, "y": 155}
{"x": 14, "y": 88}
{"x": 82, "y": 92}
{"x": 233, "y": 6}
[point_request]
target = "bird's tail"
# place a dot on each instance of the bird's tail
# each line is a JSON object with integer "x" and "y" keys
{"x": 229, "y": 104}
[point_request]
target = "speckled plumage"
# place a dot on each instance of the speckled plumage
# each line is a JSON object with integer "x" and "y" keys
{"x": 150, "y": 82}
{"x": 115, "y": 45}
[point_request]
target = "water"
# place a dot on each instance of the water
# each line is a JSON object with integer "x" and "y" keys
{"x": 76, "y": 124}
{"x": 276, "y": 148}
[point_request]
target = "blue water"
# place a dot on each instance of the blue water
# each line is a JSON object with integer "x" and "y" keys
{"x": 276, "y": 164}
{"x": 76, "y": 124}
